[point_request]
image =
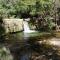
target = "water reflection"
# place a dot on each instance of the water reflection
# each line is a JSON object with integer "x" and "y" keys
{"x": 27, "y": 47}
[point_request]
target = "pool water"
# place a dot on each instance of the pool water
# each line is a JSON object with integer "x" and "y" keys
{"x": 32, "y": 46}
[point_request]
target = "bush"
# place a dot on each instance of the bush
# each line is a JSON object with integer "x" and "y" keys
{"x": 5, "y": 54}
{"x": 49, "y": 23}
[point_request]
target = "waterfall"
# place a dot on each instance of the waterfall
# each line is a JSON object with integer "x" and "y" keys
{"x": 26, "y": 27}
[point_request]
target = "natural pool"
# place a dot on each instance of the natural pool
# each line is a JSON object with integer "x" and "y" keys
{"x": 32, "y": 46}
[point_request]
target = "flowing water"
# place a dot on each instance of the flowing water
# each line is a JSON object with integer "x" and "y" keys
{"x": 26, "y": 28}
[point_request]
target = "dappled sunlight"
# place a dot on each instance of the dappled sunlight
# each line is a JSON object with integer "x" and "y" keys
{"x": 55, "y": 42}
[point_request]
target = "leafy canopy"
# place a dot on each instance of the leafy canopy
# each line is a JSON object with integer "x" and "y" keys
{"x": 15, "y": 8}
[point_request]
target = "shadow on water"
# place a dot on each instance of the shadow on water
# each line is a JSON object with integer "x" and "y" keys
{"x": 25, "y": 47}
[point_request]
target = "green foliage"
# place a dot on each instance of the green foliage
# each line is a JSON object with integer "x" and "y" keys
{"x": 15, "y": 8}
{"x": 43, "y": 5}
{"x": 5, "y": 54}
{"x": 44, "y": 9}
{"x": 49, "y": 23}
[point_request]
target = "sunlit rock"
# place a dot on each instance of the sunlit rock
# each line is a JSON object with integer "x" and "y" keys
{"x": 13, "y": 25}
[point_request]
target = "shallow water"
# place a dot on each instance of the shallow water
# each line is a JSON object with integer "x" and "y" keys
{"x": 34, "y": 46}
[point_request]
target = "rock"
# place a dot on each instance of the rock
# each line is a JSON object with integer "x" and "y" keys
{"x": 13, "y": 25}
{"x": 51, "y": 42}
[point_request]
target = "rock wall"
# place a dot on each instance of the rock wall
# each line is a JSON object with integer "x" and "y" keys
{"x": 13, "y": 25}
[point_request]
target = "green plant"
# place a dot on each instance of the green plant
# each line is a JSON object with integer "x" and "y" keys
{"x": 5, "y": 54}
{"x": 16, "y": 8}
{"x": 50, "y": 24}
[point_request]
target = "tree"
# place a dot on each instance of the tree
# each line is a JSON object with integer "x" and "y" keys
{"x": 43, "y": 8}
{"x": 15, "y": 7}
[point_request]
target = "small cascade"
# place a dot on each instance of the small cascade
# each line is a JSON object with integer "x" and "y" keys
{"x": 26, "y": 27}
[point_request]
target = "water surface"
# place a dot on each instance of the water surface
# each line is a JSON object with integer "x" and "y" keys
{"x": 33, "y": 46}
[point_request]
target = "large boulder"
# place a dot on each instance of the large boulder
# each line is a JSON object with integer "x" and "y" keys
{"x": 13, "y": 25}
